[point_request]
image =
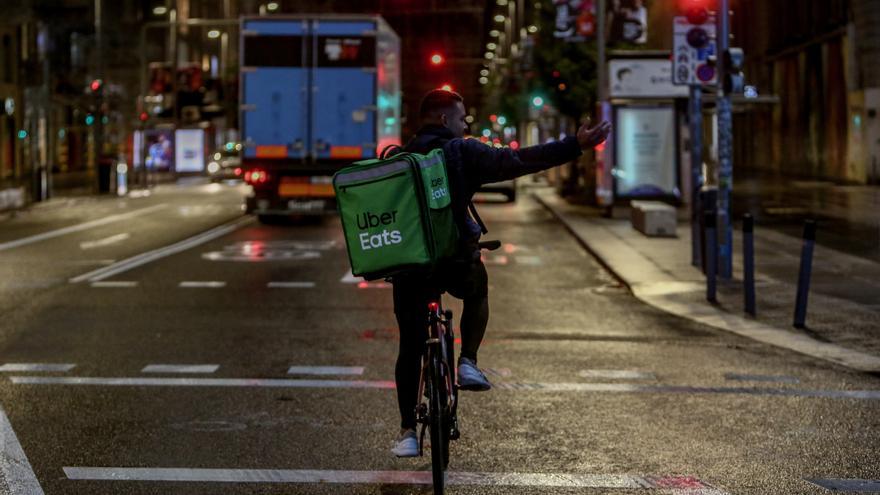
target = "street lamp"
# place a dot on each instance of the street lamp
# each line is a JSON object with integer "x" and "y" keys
{"x": 160, "y": 10}
{"x": 272, "y": 6}
{"x": 494, "y": 33}
{"x": 213, "y": 34}
{"x": 499, "y": 18}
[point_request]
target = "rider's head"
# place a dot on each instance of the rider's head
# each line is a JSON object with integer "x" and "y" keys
{"x": 444, "y": 108}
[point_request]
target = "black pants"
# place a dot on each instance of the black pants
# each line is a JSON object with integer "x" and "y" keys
{"x": 465, "y": 280}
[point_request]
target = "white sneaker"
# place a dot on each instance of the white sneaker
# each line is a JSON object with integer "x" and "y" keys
{"x": 407, "y": 445}
{"x": 470, "y": 377}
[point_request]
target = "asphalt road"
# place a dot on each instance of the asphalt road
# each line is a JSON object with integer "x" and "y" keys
{"x": 595, "y": 392}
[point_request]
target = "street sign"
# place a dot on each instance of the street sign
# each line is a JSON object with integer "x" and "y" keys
{"x": 692, "y": 46}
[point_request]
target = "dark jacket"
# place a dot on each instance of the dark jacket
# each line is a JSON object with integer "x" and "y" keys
{"x": 470, "y": 164}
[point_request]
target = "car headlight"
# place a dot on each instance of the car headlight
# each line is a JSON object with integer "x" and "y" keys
{"x": 213, "y": 167}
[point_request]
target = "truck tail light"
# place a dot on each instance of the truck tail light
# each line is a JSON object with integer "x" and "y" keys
{"x": 256, "y": 176}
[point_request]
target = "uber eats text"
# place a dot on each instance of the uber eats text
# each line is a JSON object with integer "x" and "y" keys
{"x": 385, "y": 238}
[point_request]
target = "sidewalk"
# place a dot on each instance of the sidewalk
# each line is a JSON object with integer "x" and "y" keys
{"x": 843, "y": 315}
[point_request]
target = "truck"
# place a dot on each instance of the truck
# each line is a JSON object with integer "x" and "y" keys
{"x": 317, "y": 93}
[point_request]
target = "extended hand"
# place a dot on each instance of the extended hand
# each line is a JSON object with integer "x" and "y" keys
{"x": 588, "y": 137}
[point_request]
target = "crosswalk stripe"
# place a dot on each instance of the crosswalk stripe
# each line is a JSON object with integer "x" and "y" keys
{"x": 198, "y": 284}
{"x": 325, "y": 370}
{"x": 669, "y": 484}
{"x": 19, "y": 367}
{"x": 180, "y": 368}
{"x": 290, "y": 285}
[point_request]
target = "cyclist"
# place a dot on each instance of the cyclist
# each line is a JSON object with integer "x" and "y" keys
{"x": 470, "y": 164}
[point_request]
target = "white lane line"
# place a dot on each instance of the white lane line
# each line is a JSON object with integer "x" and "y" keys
{"x": 202, "y": 382}
{"x": 150, "y": 256}
{"x": 670, "y": 484}
{"x": 847, "y": 485}
{"x": 123, "y": 284}
{"x": 180, "y": 368}
{"x": 761, "y": 378}
{"x": 18, "y": 477}
{"x": 348, "y": 278}
{"x": 618, "y": 374}
{"x": 514, "y": 386}
{"x": 325, "y": 370}
{"x": 19, "y": 367}
{"x": 113, "y": 239}
{"x": 290, "y": 285}
{"x": 79, "y": 227}
{"x": 529, "y": 260}
{"x": 202, "y": 284}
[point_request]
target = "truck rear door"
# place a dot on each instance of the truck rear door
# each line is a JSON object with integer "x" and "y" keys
{"x": 274, "y": 89}
{"x": 344, "y": 91}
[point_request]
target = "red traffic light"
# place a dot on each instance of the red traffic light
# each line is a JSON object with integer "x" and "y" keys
{"x": 96, "y": 85}
{"x": 437, "y": 59}
{"x": 697, "y": 15}
{"x": 143, "y": 116}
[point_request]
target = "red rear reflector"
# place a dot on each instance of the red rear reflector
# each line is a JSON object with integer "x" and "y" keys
{"x": 238, "y": 171}
{"x": 272, "y": 151}
{"x": 346, "y": 151}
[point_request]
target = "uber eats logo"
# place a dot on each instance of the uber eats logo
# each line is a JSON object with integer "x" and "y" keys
{"x": 437, "y": 189}
{"x": 368, "y": 220}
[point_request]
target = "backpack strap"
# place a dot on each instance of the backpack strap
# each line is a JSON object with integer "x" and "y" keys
{"x": 390, "y": 150}
{"x": 473, "y": 210}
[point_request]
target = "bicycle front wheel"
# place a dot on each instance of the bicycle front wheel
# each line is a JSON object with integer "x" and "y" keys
{"x": 438, "y": 425}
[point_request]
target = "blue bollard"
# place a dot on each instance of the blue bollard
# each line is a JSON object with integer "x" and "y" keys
{"x": 803, "y": 288}
{"x": 711, "y": 254}
{"x": 749, "y": 264}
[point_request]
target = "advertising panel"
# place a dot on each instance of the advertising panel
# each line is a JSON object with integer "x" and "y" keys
{"x": 645, "y": 144}
{"x": 643, "y": 78}
{"x": 160, "y": 150}
{"x": 189, "y": 150}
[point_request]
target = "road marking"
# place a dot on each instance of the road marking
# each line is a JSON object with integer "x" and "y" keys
{"x": 529, "y": 260}
{"x": 113, "y": 239}
{"x": 761, "y": 378}
{"x": 202, "y": 284}
{"x": 18, "y": 477}
{"x": 502, "y": 372}
{"x": 125, "y": 284}
{"x": 19, "y": 367}
{"x": 180, "y": 368}
{"x": 348, "y": 278}
{"x": 618, "y": 374}
{"x": 670, "y": 484}
{"x": 325, "y": 370}
{"x": 79, "y": 227}
{"x": 203, "y": 382}
{"x": 518, "y": 386}
{"x": 290, "y": 285}
{"x": 847, "y": 485}
{"x": 150, "y": 256}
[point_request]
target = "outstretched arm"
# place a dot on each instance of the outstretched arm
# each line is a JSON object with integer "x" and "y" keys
{"x": 487, "y": 164}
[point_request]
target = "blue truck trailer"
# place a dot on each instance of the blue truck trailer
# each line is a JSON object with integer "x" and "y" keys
{"x": 316, "y": 94}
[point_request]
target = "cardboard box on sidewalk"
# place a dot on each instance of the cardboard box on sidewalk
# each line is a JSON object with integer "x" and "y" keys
{"x": 653, "y": 218}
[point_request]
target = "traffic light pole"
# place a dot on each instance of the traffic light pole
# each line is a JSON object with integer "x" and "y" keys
{"x": 696, "y": 130}
{"x": 725, "y": 148}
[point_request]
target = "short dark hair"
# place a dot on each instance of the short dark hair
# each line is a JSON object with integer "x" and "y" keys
{"x": 438, "y": 101}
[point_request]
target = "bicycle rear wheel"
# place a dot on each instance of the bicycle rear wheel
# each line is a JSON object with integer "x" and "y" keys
{"x": 438, "y": 425}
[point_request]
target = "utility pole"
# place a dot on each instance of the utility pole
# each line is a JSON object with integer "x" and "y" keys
{"x": 99, "y": 99}
{"x": 725, "y": 147}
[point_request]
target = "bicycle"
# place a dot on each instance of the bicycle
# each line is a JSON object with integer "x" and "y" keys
{"x": 438, "y": 384}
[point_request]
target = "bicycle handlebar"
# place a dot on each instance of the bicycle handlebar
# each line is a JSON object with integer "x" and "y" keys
{"x": 490, "y": 245}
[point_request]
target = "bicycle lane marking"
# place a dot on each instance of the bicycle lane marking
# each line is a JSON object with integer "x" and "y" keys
{"x": 78, "y": 227}
{"x": 18, "y": 476}
{"x": 156, "y": 254}
{"x": 669, "y": 484}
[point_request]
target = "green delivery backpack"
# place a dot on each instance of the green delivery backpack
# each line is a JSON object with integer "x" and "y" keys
{"x": 396, "y": 213}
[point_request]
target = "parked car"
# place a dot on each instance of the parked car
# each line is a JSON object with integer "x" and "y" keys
{"x": 506, "y": 187}
{"x": 225, "y": 164}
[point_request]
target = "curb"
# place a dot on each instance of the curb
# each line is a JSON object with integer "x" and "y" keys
{"x": 707, "y": 315}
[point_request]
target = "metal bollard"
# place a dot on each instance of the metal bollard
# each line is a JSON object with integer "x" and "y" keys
{"x": 749, "y": 264}
{"x": 711, "y": 254}
{"x": 803, "y": 288}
